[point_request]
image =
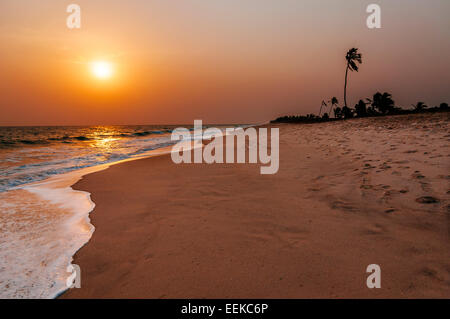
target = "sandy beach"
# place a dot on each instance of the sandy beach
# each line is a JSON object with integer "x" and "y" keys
{"x": 347, "y": 194}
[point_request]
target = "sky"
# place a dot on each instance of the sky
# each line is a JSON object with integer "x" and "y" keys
{"x": 221, "y": 61}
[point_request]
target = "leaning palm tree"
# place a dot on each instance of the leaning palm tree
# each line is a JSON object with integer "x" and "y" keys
{"x": 352, "y": 57}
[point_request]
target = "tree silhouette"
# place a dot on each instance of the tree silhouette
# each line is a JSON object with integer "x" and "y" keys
{"x": 360, "y": 109}
{"x": 347, "y": 112}
{"x": 383, "y": 102}
{"x": 420, "y": 106}
{"x": 352, "y": 58}
{"x": 338, "y": 112}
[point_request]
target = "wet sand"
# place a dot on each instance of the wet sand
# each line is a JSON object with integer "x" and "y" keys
{"x": 347, "y": 194}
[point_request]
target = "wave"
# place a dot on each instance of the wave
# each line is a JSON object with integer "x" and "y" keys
{"x": 21, "y": 143}
{"x": 47, "y": 224}
{"x": 16, "y": 175}
{"x": 82, "y": 138}
{"x": 17, "y": 142}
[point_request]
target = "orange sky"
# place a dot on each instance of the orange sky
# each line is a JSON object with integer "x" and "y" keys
{"x": 231, "y": 61}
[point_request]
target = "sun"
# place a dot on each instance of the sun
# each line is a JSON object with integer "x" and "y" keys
{"x": 102, "y": 69}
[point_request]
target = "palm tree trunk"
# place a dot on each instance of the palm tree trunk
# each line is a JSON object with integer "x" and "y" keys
{"x": 345, "y": 87}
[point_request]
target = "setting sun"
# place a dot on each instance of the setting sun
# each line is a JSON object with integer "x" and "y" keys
{"x": 102, "y": 69}
{"x": 252, "y": 150}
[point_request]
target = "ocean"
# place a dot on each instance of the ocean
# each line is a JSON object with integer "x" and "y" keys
{"x": 29, "y": 154}
{"x": 43, "y": 221}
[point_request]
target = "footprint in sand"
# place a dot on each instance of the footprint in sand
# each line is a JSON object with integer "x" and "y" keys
{"x": 401, "y": 162}
{"x": 368, "y": 166}
{"x": 417, "y": 175}
{"x": 431, "y": 273}
{"x": 425, "y": 187}
{"x": 427, "y": 200}
{"x": 375, "y": 229}
{"x": 341, "y": 205}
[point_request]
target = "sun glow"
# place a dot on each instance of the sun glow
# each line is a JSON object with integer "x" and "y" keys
{"x": 102, "y": 69}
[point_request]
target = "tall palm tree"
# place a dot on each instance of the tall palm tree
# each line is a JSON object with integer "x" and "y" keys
{"x": 352, "y": 57}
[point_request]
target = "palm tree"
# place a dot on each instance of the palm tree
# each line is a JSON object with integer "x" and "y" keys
{"x": 361, "y": 109}
{"x": 370, "y": 110}
{"x": 352, "y": 57}
{"x": 338, "y": 112}
{"x": 383, "y": 102}
{"x": 420, "y": 106}
{"x": 334, "y": 101}
{"x": 346, "y": 112}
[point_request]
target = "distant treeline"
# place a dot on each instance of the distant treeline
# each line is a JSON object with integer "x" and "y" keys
{"x": 380, "y": 105}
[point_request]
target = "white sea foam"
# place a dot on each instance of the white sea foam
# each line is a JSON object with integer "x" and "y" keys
{"x": 46, "y": 223}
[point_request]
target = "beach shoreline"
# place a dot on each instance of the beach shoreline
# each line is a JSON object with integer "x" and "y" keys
{"x": 48, "y": 222}
{"x": 336, "y": 206}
